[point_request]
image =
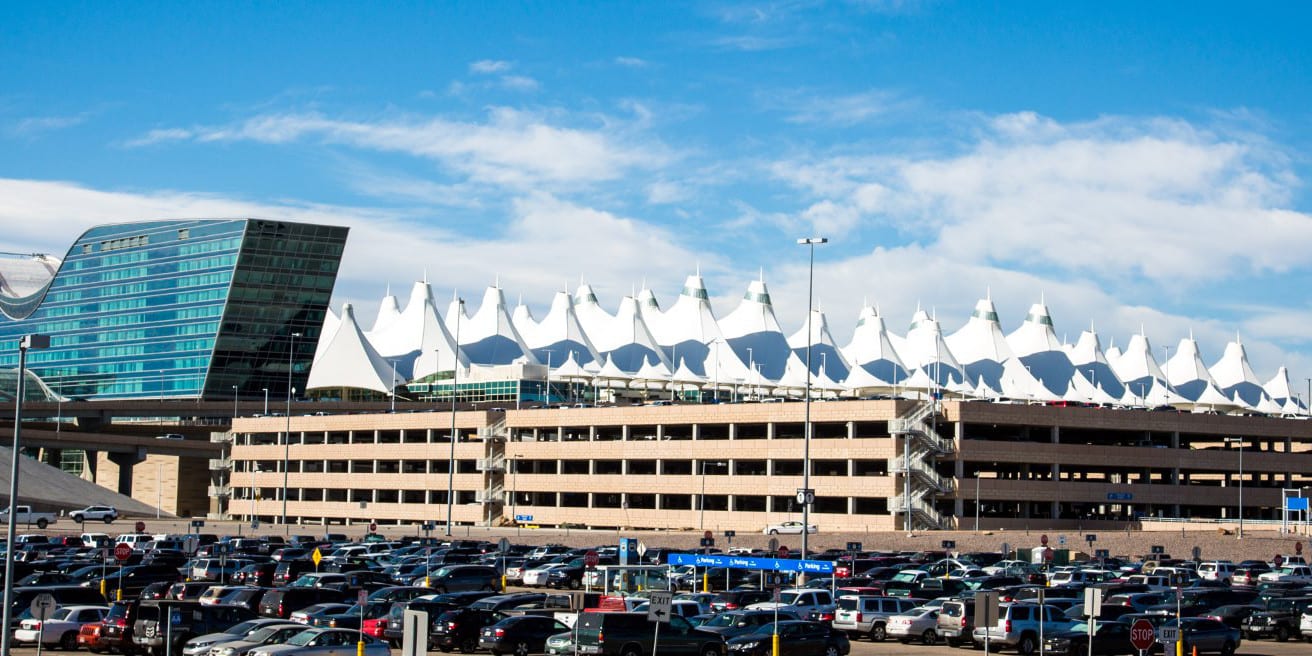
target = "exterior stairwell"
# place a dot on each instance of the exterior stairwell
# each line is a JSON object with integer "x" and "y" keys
{"x": 919, "y": 449}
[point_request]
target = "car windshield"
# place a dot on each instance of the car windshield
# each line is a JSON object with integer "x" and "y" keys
{"x": 260, "y": 635}
{"x": 727, "y": 619}
{"x": 789, "y": 598}
{"x": 303, "y": 638}
{"x": 243, "y": 628}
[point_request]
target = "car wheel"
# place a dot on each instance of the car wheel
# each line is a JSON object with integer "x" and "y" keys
{"x": 1282, "y": 633}
{"x": 109, "y": 519}
{"x": 630, "y": 651}
{"x": 468, "y": 646}
{"x": 1026, "y": 645}
{"x": 929, "y": 637}
{"x": 774, "y": 531}
{"x": 521, "y": 648}
{"x": 444, "y": 649}
{"x": 877, "y": 633}
{"x": 1253, "y": 635}
{"x": 68, "y": 641}
{"x": 42, "y": 523}
{"x": 77, "y": 518}
{"x": 575, "y": 584}
{"x": 712, "y": 650}
{"x": 832, "y": 650}
{"x": 1228, "y": 649}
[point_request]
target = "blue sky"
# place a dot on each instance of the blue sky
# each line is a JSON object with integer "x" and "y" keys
{"x": 1133, "y": 164}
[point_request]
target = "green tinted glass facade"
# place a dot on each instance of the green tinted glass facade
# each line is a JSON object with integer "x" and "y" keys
{"x": 182, "y": 309}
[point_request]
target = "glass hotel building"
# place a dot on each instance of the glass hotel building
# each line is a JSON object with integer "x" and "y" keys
{"x": 178, "y": 309}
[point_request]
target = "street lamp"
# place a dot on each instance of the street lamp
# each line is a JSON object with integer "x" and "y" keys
{"x": 234, "y": 402}
{"x": 808, "y": 496}
{"x": 455, "y": 386}
{"x": 546, "y": 395}
{"x": 1093, "y": 380}
{"x": 1240, "y": 442}
{"x": 287, "y": 442}
{"x": 701, "y": 501}
{"x": 255, "y": 469}
{"x": 24, "y": 343}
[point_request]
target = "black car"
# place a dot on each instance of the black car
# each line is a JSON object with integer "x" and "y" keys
{"x": 739, "y": 598}
{"x": 282, "y": 602}
{"x": 186, "y": 620}
{"x": 1234, "y": 615}
{"x": 1108, "y": 638}
{"x": 257, "y": 574}
{"x": 394, "y": 631}
{"x": 520, "y": 635}
{"x": 350, "y": 618}
{"x": 460, "y": 628}
{"x": 796, "y": 638}
{"x": 734, "y": 623}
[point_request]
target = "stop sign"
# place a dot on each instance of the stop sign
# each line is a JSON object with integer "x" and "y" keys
{"x": 1142, "y": 635}
{"x": 590, "y": 559}
{"x": 1043, "y": 539}
{"x": 373, "y": 527}
{"x": 140, "y": 526}
{"x": 783, "y": 551}
{"x": 122, "y": 551}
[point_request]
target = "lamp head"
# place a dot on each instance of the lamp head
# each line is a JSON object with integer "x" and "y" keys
{"x": 813, "y": 240}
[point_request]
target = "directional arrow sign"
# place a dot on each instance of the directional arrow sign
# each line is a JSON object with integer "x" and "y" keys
{"x": 658, "y": 608}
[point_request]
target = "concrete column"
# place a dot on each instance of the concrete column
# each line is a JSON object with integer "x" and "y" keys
{"x": 125, "y": 462}
{"x": 1055, "y": 506}
{"x": 696, "y": 432}
{"x": 851, "y": 430}
{"x": 733, "y": 431}
{"x": 769, "y": 430}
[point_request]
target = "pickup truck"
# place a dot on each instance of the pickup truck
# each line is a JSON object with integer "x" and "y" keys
{"x": 24, "y": 515}
{"x": 1292, "y": 573}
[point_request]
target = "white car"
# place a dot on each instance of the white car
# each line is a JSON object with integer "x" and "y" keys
{"x": 537, "y": 577}
{"x": 62, "y": 627}
{"x": 789, "y": 527}
{"x": 919, "y": 623}
{"x": 106, "y": 514}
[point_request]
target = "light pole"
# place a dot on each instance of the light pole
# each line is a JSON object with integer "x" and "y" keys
{"x": 977, "y": 472}
{"x": 1093, "y": 380}
{"x": 287, "y": 443}
{"x": 1166, "y": 371}
{"x": 1240, "y": 442}
{"x": 751, "y": 365}
{"x": 1309, "y": 397}
{"x": 234, "y": 402}
{"x": 514, "y": 488}
{"x": 159, "y": 487}
{"x": 393, "y": 390}
{"x": 266, "y": 401}
{"x": 24, "y": 343}
{"x": 701, "y": 501}
{"x": 455, "y": 386}
{"x": 808, "y": 496}
{"x": 546, "y": 395}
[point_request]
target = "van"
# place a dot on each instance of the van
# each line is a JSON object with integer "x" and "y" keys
{"x": 956, "y": 621}
{"x": 463, "y": 578}
{"x": 135, "y": 540}
{"x": 869, "y": 615}
{"x": 187, "y": 619}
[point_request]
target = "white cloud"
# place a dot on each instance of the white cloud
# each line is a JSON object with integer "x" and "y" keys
{"x": 489, "y": 66}
{"x": 34, "y": 125}
{"x": 163, "y": 135}
{"x": 513, "y": 148}
{"x": 1112, "y": 200}
{"x": 519, "y": 83}
{"x": 631, "y": 62}
{"x": 848, "y": 110}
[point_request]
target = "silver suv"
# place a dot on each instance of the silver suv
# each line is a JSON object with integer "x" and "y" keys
{"x": 105, "y": 514}
{"x": 1018, "y": 627}
{"x": 869, "y": 614}
{"x": 956, "y": 621}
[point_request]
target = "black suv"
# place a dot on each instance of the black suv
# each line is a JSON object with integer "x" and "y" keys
{"x": 459, "y": 628}
{"x": 394, "y": 631}
{"x": 282, "y": 602}
{"x": 625, "y": 634}
{"x": 1279, "y": 620}
{"x": 188, "y": 620}
{"x": 461, "y": 578}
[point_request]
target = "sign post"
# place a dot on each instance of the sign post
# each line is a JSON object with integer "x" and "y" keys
{"x": 1142, "y": 636}
{"x": 659, "y": 607}
{"x": 986, "y": 613}
{"x": 122, "y": 552}
{"x": 43, "y": 606}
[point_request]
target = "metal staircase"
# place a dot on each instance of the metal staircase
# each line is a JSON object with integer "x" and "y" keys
{"x": 917, "y": 468}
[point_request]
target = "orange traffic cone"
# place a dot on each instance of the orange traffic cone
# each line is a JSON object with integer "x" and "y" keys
{"x": 1195, "y": 650}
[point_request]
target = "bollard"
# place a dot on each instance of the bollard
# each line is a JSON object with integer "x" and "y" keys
{"x": 706, "y": 582}
{"x": 774, "y": 644}
{"x": 359, "y": 648}
{"x": 503, "y": 582}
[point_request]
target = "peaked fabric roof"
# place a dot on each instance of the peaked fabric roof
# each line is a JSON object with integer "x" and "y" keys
{"x": 980, "y": 346}
{"x": 628, "y": 342}
{"x": 1090, "y": 362}
{"x": 754, "y": 333}
{"x": 490, "y": 336}
{"x": 825, "y": 354}
{"x": 417, "y": 339}
{"x": 350, "y": 361}
{"x": 561, "y": 333}
{"x": 925, "y": 350}
{"x": 875, "y": 363}
{"x": 689, "y": 328}
{"x": 1186, "y": 372}
{"x": 1235, "y": 377}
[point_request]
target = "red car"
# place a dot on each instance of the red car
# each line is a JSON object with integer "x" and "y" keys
{"x": 116, "y": 628}
{"x": 89, "y": 636}
{"x": 375, "y": 627}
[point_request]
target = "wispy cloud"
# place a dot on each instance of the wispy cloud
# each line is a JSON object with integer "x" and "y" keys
{"x": 519, "y": 83}
{"x": 489, "y": 67}
{"x": 631, "y": 62}
{"x": 808, "y": 107}
{"x": 512, "y": 147}
{"x": 34, "y": 125}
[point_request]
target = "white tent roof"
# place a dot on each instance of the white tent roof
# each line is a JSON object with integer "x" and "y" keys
{"x": 350, "y": 361}
{"x": 980, "y": 346}
{"x": 456, "y": 308}
{"x": 690, "y": 328}
{"x": 1234, "y": 376}
{"x": 1035, "y": 334}
{"x": 1186, "y": 372}
{"x": 490, "y": 337}
{"x": 594, "y": 320}
{"x": 1279, "y": 389}
{"x": 871, "y": 350}
{"x": 752, "y": 325}
{"x": 522, "y": 318}
{"x": 825, "y": 353}
{"x": 651, "y": 311}
{"x": 926, "y": 350}
{"x": 331, "y": 322}
{"x": 572, "y": 370}
{"x": 388, "y": 312}
{"x": 417, "y": 340}
{"x": 1136, "y": 366}
{"x": 560, "y": 332}
{"x": 627, "y": 341}
{"x": 1088, "y": 357}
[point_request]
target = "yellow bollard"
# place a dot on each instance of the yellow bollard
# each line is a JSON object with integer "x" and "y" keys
{"x": 427, "y": 583}
{"x": 359, "y": 648}
{"x": 503, "y": 582}
{"x": 102, "y": 588}
{"x": 706, "y": 582}
{"x": 118, "y": 596}
{"x": 774, "y": 645}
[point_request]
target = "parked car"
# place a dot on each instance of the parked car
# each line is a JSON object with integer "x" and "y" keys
{"x": 186, "y": 620}
{"x": 1280, "y": 620}
{"x": 796, "y": 638}
{"x": 106, "y": 514}
{"x": 200, "y": 645}
{"x": 955, "y": 622}
{"x": 620, "y": 634}
{"x": 789, "y": 527}
{"x": 738, "y": 622}
{"x": 520, "y": 635}
{"x": 461, "y": 578}
{"x": 282, "y": 602}
{"x": 1109, "y": 638}
{"x": 61, "y": 628}
{"x": 116, "y": 629}
{"x": 460, "y": 628}
{"x": 1018, "y": 626}
{"x": 1203, "y": 636}
{"x": 273, "y": 634}
{"x": 919, "y": 623}
{"x": 324, "y": 642}
{"x": 869, "y": 615}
